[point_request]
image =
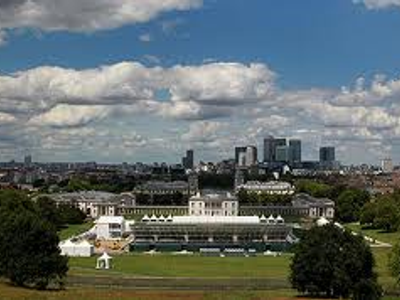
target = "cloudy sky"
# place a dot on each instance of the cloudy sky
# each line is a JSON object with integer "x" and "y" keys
{"x": 143, "y": 80}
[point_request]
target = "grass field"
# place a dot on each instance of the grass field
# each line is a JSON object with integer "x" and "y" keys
{"x": 189, "y": 266}
{"x": 10, "y": 293}
{"x": 387, "y": 237}
{"x": 73, "y": 230}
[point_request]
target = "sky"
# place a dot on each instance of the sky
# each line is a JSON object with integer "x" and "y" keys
{"x": 144, "y": 80}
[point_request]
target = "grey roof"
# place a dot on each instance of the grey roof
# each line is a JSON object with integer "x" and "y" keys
{"x": 307, "y": 200}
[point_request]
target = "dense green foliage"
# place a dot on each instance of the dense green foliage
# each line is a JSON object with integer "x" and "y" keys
{"x": 175, "y": 199}
{"x": 383, "y": 213}
{"x": 216, "y": 181}
{"x": 334, "y": 263}
{"x": 314, "y": 188}
{"x": 60, "y": 215}
{"x": 29, "y": 243}
{"x": 349, "y": 204}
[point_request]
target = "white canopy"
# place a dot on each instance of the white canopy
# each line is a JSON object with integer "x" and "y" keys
{"x": 322, "y": 222}
{"x": 82, "y": 248}
{"x": 104, "y": 262}
{"x": 161, "y": 219}
{"x": 263, "y": 218}
{"x": 169, "y": 218}
{"x": 279, "y": 219}
{"x": 145, "y": 218}
{"x": 153, "y": 218}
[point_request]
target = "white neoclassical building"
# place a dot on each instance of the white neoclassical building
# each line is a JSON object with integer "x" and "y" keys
{"x": 213, "y": 205}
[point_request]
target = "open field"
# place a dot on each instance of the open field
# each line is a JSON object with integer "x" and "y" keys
{"x": 387, "y": 237}
{"x": 73, "y": 230}
{"x": 189, "y": 266}
{"x": 11, "y": 293}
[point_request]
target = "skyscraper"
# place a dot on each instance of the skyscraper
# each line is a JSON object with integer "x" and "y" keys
{"x": 188, "y": 160}
{"x": 238, "y": 151}
{"x": 28, "y": 160}
{"x": 327, "y": 154}
{"x": 281, "y": 153}
{"x": 270, "y": 145}
{"x": 269, "y": 149}
{"x": 251, "y": 156}
{"x": 294, "y": 151}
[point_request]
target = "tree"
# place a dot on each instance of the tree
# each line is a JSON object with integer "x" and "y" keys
{"x": 349, "y": 204}
{"x": 28, "y": 244}
{"x": 394, "y": 261}
{"x": 332, "y": 262}
{"x": 368, "y": 213}
{"x": 387, "y": 215}
{"x": 47, "y": 210}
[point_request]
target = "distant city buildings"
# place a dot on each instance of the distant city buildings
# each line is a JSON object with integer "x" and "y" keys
{"x": 387, "y": 165}
{"x": 294, "y": 152}
{"x": 188, "y": 160}
{"x": 246, "y": 156}
{"x": 327, "y": 154}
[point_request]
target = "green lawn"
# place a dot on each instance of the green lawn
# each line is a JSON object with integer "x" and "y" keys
{"x": 73, "y": 230}
{"x": 189, "y": 266}
{"x": 10, "y": 293}
{"x": 387, "y": 237}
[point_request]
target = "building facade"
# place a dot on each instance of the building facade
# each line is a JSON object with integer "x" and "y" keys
{"x": 213, "y": 205}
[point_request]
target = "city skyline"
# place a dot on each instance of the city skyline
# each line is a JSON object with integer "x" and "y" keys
{"x": 204, "y": 75}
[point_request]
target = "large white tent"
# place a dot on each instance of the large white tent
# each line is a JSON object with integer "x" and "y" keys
{"x": 82, "y": 248}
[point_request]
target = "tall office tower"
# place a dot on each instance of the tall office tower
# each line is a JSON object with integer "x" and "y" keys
{"x": 327, "y": 155}
{"x": 188, "y": 160}
{"x": 251, "y": 156}
{"x": 387, "y": 165}
{"x": 294, "y": 151}
{"x": 242, "y": 159}
{"x": 281, "y": 153}
{"x": 238, "y": 151}
{"x": 270, "y": 145}
{"x": 28, "y": 160}
{"x": 269, "y": 149}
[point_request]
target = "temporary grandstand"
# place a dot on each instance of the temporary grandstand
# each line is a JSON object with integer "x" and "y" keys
{"x": 207, "y": 234}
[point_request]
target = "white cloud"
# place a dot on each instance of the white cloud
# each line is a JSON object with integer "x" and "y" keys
{"x": 146, "y": 38}
{"x": 64, "y": 115}
{"x": 378, "y": 4}
{"x": 85, "y": 15}
{"x": 202, "y": 131}
{"x": 243, "y": 101}
{"x": 3, "y": 38}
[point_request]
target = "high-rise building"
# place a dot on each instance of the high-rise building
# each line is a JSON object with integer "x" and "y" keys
{"x": 188, "y": 160}
{"x": 242, "y": 159}
{"x": 251, "y": 156}
{"x": 28, "y": 160}
{"x": 238, "y": 151}
{"x": 327, "y": 154}
{"x": 269, "y": 149}
{"x": 294, "y": 152}
{"x": 270, "y": 145}
{"x": 281, "y": 153}
{"x": 387, "y": 165}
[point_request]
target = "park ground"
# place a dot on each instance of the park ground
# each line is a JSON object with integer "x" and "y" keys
{"x": 145, "y": 277}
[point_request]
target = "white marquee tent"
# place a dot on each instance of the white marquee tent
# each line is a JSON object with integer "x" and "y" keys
{"x": 82, "y": 248}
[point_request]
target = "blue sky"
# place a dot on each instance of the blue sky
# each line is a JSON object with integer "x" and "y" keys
{"x": 154, "y": 79}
